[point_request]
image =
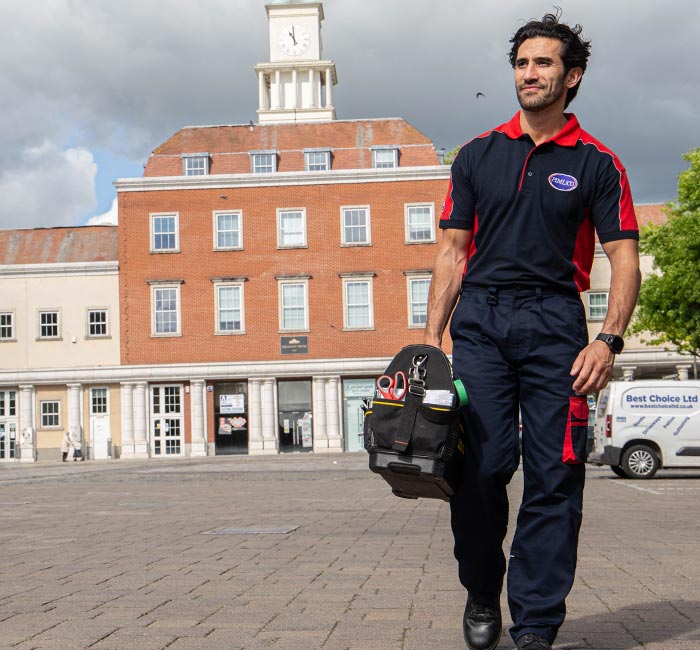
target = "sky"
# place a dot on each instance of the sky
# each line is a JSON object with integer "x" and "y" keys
{"x": 88, "y": 88}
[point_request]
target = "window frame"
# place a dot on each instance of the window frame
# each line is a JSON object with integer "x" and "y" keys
{"x": 40, "y": 335}
{"x": 358, "y": 279}
{"x": 43, "y": 415}
{"x": 255, "y": 155}
{"x": 343, "y": 226}
{"x": 280, "y": 212}
{"x": 410, "y": 279}
{"x": 166, "y": 286}
{"x": 304, "y": 283}
{"x": 308, "y": 153}
{"x": 217, "y": 299}
{"x": 93, "y": 390}
{"x": 88, "y": 333}
{"x": 407, "y": 210}
{"x": 394, "y": 149}
{"x": 215, "y": 220}
{"x": 187, "y": 158}
{"x": 176, "y": 221}
{"x": 591, "y": 307}
{"x": 11, "y": 336}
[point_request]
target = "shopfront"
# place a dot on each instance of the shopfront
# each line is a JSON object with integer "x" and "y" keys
{"x": 354, "y": 392}
{"x": 294, "y": 416}
{"x": 231, "y": 418}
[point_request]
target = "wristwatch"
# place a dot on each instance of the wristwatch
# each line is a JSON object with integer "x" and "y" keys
{"x": 613, "y": 341}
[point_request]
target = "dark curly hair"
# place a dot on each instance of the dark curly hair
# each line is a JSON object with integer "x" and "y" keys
{"x": 574, "y": 54}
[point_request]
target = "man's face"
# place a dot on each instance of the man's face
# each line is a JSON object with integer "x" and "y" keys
{"x": 540, "y": 80}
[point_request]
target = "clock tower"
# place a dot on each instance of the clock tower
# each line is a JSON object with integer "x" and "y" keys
{"x": 297, "y": 84}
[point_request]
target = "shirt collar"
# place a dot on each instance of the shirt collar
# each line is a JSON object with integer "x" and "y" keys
{"x": 567, "y": 137}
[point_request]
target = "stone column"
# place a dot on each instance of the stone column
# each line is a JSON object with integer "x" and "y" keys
{"x": 140, "y": 421}
{"x": 74, "y": 423}
{"x": 329, "y": 88}
{"x": 27, "y": 437}
{"x": 333, "y": 414}
{"x": 269, "y": 420}
{"x": 313, "y": 91}
{"x": 276, "y": 98}
{"x": 628, "y": 373}
{"x": 199, "y": 426}
{"x": 683, "y": 371}
{"x": 295, "y": 89}
{"x": 255, "y": 426}
{"x": 261, "y": 90}
{"x": 127, "y": 394}
{"x": 319, "y": 414}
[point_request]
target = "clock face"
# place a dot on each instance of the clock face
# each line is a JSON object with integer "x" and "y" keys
{"x": 294, "y": 40}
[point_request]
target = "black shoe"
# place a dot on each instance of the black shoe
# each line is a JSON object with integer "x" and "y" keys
{"x": 533, "y": 642}
{"x": 482, "y": 623}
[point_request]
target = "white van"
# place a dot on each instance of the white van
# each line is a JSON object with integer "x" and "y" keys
{"x": 641, "y": 426}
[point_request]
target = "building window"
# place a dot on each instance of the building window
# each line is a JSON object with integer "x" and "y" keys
{"x": 97, "y": 323}
{"x": 294, "y": 309}
{"x": 291, "y": 228}
{"x": 196, "y": 164}
{"x": 420, "y": 223}
{"x": 263, "y": 162}
{"x": 357, "y": 303}
{"x": 317, "y": 160}
{"x": 418, "y": 301}
{"x": 98, "y": 401}
{"x": 7, "y": 326}
{"x": 355, "y": 227}
{"x": 229, "y": 309}
{"x": 597, "y": 305}
{"x": 49, "y": 325}
{"x": 8, "y": 403}
{"x": 166, "y": 310}
{"x": 164, "y": 233}
{"x": 50, "y": 414}
{"x": 385, "y": 157}
{"x": 228, "y": 233}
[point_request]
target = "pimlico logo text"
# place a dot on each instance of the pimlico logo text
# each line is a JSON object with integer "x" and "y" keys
{"x": 562, "y": 182}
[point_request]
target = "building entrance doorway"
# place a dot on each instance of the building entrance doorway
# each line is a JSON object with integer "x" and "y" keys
{"x": 167, "y": 432}
{"x": 231, "y": 418}
{"x": 8, "y": 425}
{"x": 354, "y": 391}
{"x": 294, "y": 419}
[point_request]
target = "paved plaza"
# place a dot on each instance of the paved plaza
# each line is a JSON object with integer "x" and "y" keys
{"x": 307, "y": 552}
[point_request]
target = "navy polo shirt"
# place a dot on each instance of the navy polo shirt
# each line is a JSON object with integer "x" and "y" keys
{"x": 535, "y": 210}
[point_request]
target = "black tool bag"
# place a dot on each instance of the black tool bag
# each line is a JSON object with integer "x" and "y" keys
{"x": 415, "y": 442}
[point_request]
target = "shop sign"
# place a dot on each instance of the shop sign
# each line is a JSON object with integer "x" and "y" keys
{"x": 294, "y": 344}
{"x": 231, "y": 403}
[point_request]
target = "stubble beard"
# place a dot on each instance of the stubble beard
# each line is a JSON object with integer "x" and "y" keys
{"x": 542, "y": 100}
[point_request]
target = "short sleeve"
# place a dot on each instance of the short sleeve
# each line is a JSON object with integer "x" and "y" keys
{"x": 613, "y": 210}
{"x": 460, "y": 203}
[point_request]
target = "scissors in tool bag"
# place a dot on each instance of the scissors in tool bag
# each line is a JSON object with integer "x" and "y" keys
{"x": 392, "y": 387}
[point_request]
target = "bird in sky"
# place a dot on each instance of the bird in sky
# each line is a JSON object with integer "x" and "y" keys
{"x": 480, "y": 94}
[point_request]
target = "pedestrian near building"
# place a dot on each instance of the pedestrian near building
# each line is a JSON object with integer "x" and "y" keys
{"x": 66, "y": 445}
{"x": 524, "y": 204}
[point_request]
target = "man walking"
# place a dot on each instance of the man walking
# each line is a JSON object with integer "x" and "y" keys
{"x": 519, "y": 222}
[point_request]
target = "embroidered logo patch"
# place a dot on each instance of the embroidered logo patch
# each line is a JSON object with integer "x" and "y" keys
{"x": 562, "y": 182}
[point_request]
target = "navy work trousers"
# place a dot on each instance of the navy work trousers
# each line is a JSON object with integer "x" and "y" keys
{"x": 513, "y": 349}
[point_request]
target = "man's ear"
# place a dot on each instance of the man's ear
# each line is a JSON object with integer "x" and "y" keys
{"x": 573, "y": 76}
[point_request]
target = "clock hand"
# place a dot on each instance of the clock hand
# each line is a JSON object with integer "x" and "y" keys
{"x": 293, "y": 36}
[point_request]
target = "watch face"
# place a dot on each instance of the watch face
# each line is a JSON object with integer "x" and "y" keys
{"x": 294, "y": 40}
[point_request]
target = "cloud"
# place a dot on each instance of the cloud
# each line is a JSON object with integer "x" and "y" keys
{"x": 109, "y": 218}
{"x": 47, "y": 186}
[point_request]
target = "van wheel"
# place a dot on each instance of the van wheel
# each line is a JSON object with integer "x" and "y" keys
{"x": 618, "y": 470}
{"x": 640, "y": 461}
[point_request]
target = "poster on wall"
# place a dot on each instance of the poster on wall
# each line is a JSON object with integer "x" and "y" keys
{"x": 231, "y": 403}
{"x": 306, "y": 437}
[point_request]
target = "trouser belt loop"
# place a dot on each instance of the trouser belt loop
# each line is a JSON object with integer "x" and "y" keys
{"x": 493, "y": 296}
{"x": 538, "y": 294}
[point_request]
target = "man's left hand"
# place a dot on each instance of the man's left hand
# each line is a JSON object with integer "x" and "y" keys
{"x": 592, "y": 368}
